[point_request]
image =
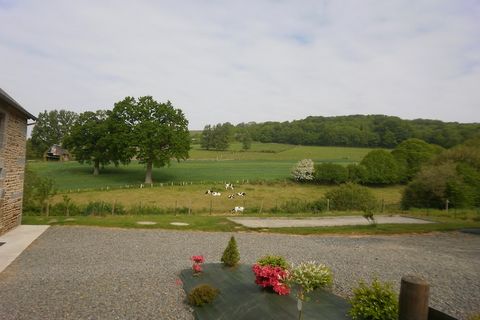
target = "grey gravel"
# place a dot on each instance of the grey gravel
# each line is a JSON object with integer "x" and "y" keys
{"x": 103, "y": 273}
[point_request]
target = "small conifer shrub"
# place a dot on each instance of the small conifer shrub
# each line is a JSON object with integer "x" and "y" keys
{"x": 202, "y": 294}
{"x": 231, "y": 256}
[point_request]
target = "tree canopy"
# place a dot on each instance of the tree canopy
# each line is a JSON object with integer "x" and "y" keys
{"x": 50, "y": 128}
{"x": 158, "y": 131}
{"x": 411, "y": 154}
{"x": 380, "y": 167}
{"x": 453, "y": 175}
{"x": 96, "y": 139}
{"x": 359, "y": 131}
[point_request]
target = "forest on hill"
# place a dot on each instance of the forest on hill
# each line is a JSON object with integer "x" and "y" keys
{"x": 356, "y": 131}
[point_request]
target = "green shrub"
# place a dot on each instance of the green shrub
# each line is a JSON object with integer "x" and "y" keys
{"x": 274, "y": 261}
{"x": 202, "y": 294}
{"x": 330, "y": 173}
{"x": 231, "y": 256}
{"x": 356, "y": 173}
{"x": 381, "y": 168}
{"x": 375, "y": 302}
{"x": 351, "y": 196}
{"x": 97, "y": 208}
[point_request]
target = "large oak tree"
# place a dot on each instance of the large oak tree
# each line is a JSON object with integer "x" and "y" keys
{"x": 158, "y": 131}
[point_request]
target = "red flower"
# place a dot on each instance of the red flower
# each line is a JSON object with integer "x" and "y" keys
{"x": 198, "y": 259}
{"x": 271, "y": 277}
{"x": 197, "y": 268}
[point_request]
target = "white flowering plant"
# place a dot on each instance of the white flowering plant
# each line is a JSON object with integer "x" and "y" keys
{"x": 311, "y": 275}
{"x": 308, "y": 276}
{"x": 304, "y": 170}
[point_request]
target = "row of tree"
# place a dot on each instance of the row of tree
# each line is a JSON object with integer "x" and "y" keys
{"x": 219, "y": 137}
{"x": 435, "y": 177}
{"x": 358, "y": 131}
{"x": 142, "y": 128}
{"x": 378, "y": 167}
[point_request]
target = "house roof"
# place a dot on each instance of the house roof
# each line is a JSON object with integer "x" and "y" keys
{"x": 11, "y": 102}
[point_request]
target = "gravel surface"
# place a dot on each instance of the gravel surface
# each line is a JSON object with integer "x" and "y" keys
{"x": 102, "y": 273}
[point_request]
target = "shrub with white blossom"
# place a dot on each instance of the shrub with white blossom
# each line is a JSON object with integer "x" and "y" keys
{"x": 304, "y": 170}
{"x": 308, "y": 276}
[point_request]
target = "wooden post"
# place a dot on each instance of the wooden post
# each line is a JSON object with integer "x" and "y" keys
{"x": 328, "y": 205}
{"x": 413, "y": 304}
{"x": 261, "y": 207}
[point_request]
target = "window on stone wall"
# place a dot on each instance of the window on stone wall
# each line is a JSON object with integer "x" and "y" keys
{"x": 2, "y": 129}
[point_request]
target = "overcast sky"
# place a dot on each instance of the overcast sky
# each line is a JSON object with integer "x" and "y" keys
{"x": 242, "y": 61}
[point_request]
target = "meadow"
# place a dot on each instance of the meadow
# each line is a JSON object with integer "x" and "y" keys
{"x": 178, "y": 192}
{"x": 264, "y": 162}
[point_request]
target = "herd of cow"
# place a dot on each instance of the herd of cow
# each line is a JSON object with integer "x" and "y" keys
{"x": 228, "y": 186}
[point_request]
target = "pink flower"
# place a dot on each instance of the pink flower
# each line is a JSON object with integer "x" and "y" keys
{"x": 271, "y": 277}
{"x": 198, "y": 259}
{"x": 197, "y": 268}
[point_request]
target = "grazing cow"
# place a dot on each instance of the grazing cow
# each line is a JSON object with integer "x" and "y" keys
{"x": 228, "y": 186}
{"x": 241, "y": 194}
{"x": 213, "y": 193}
{"x": 231, "y": 196}
{"x": 238, "y": 209}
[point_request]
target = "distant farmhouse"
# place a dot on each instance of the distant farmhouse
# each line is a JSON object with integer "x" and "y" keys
{"x": 56, "y": 153}
{"x": 13, "y": 132}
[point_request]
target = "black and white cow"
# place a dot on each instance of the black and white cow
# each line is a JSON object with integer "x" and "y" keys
{"x": 241, "y": 194}
{"x": 228, "y": 186}
{"x": 213, "y": 193}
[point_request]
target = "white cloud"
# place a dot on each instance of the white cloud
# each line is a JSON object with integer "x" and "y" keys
{"x": 241, "y": 61}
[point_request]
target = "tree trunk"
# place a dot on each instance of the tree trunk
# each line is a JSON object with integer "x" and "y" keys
{"x": 148, "y": 176}
{"x": 96, "y": 168}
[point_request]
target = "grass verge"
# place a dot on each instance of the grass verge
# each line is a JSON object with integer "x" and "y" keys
{"x": 222, "y": 224}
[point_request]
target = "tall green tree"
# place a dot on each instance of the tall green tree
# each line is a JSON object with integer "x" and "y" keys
{"x": 206, "y": 139}
{"x": 216, "y": 137}
{"x": 454, "y": 175}
{"x": 411, "y": 154}
{"x": 158, "y": 131}
{"x": 96, "y": 139}
{"x": 380, "y": 168}
{"x": 50, "y": 128}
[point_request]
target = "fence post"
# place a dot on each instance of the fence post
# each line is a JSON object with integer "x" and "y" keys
{"x": 328, "y": 205}
{"x": 413, "y": 304}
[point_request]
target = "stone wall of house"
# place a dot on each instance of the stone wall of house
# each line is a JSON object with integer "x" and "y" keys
{"x": 12, "y": 165}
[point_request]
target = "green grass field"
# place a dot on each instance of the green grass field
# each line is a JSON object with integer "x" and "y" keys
{"x": 260, "y": 197}
{"x": 264, "y": 162}
{"x": 285, "y": 152}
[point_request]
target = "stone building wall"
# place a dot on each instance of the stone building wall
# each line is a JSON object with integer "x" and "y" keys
{"x": 12, "y": 165}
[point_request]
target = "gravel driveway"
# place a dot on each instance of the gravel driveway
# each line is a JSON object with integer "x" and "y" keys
{"x": 101, "y": 273}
